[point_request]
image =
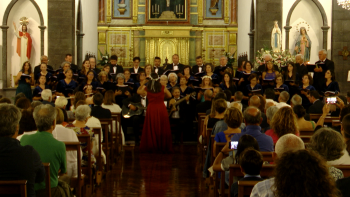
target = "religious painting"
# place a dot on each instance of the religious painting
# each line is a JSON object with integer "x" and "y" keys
{"x": 122, "y": 9}
{"x": 213, "y": 9}
{"x": 167, "y": 10}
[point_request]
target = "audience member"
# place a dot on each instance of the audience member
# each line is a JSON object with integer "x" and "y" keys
{"x": 50, "y": 150}
{"x": 5, "y": 100}
{"x": 27, "y": 123}
{"x": 23, "y": 103}
{"x": 297, "y": 100}
{"x": 270, "y": 112}
{"x": 255, "y": 102}
{"x": 233, "y": 118}
{"x": 97, "y": 111}
{"x": 317, "y": 104}
{"x": 269, "y": 95}
{"x": 283, "y": 122}
{"x": 18, "y": 162}
{"x": 220, "y": 106}
{"x": 18, "y": 96}
{"x": 220, "y": 95}
{"x": 330, "y": 145}
{"x": 61, "y": 102}
{"x": 204, "y": 106}
{"x": 46, "y": 95}
{"x": 35, "y": 103}
{"x": 302, "y": 124}
{"x": 78, "y": 96}
{"x": 282, "y": 99}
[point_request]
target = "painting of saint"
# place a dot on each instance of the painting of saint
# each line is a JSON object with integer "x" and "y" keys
{"x": 303, "y": 44}
{"x": 276, "y": 38}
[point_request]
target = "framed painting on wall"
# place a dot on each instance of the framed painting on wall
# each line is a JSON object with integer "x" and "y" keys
{"x": 167, "y": 10}
{"x": 213, "y": 9}
{"x": 122, "y": 9}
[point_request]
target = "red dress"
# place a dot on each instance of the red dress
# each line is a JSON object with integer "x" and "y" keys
{"x": 156, "y": 133}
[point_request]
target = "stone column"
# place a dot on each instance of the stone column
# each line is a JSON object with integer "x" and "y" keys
{"x": 325, "y": 36}
{"x": 251, "y": 46}
{"x": 4, "y": 56}
{"x": 80, "y": 36}
{"x": 287, "y": 28}
{"x": 42, "y": 39}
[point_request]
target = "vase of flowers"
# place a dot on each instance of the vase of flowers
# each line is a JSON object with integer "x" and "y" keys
{"x": 279, "y": 58}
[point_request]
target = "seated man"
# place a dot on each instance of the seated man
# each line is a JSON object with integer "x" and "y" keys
{"x": 18, "y": 162}
{"x": 251, "y": 163}
{"x": 46, "y": 95}
{"x": 282, "y": 99}
{"x": 50, "y": 150}
{"x": 98, "y": 111}
{"x": 238, "y": 97}
{"x": 269, "y": 95}
{"x": 256, "y": 102}
{"x": 317, "y": 104}
{"x": 297, "y": 100}
{"x": 204, "y": 106}
{"x": 288, "y": 142}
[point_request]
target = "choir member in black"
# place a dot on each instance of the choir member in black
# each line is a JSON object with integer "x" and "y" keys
{"x": 280, "y": 86}
{"x": 38, "y": 89}
{"x": 65, "y": 66}
{"x": 172, "y": 78}
{"x": 84, "y": 69}
{"x": 89, "y": 80}
{"x": 107, "y": 68}
{"x": 267, "y": 58}
{"x": 25, "y": 83}
{"x": 253, "y": 85}
{"x": 103, "y": 81}
{"x": 220, "y": 70}
{"x": 127, "y": 75}
{"x": 163, "y": 80}
{"x": 292, "y": 78}
{"x": 228, "y": 84}
{"x": 148, "y": 70}
{"x": 113, "y": 67}
{"x": 44, "y": 72}
{"x": 240, "y": 66}
{"x": 305, "y": 88}
{"x": 184, "y": 89}
{"x": 243, "y": 76}
{"x": 199, "y": 67}
{"x": 206, "y": 84}
{"x": 93, "y": 67}
{"x": 73, "y": 67}
{"x": 176, "y": 65}
{"x": 187, "y": 73}
{"x": 140, "y": 78}
{"x": 120, "y": 95}
{"x": 209, "y": 72}
{"x": 136, "y": 68}
{"x": 66, "y": 86}
{"x": 323, "y": 64}
{"x": 44, "y": 59}
{"x": 300, "y": 66}
{"x": 157, "y": 68}
{"x": 330, "y": 87}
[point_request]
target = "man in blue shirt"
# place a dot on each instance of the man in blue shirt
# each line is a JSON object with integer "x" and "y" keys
{"x": 252, "y": 120}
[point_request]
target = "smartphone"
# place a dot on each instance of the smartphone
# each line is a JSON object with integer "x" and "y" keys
{"x": 331, "y": 100}
{"x": 233, "y": 145}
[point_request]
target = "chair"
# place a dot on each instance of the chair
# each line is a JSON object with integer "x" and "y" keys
{"x": 13, "y": 187}
{"x": 99, "y": 165}
{"x": 47, "y": 179}
{"x": 107, "y": 143}
{"x": 345, "y": 169}
{"x": 87, "y": 170}
{"x": 76, "y": 182}
{"x": 246, "y": 187}
{"x": 235, "y": 170}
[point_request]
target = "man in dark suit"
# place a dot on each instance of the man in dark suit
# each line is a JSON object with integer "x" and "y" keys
{"x": 176, "y": 65}
{"x": 136, "y": 120}
{"x": 157, "y": 68}
{"x": 317, "y": 104}
{"x": 199, "y": 66}
{"x": 204, "y": 106}
{"x": 136, "y": 68}
{"x": 300, "y": 66}
{"x": 46, "y": 95}
{"x": 220, "y": 70}
{"x": 97, "y": 111}
{"x": 73, "y": 67}
{"x": 323, "y": 64}
{"x": 44, "y": 60}
{"x": 92, "y": 60}
{"x": 114, "y": 68}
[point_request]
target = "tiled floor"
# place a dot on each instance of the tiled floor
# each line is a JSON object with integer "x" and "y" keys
{"x": 177, "y": 174}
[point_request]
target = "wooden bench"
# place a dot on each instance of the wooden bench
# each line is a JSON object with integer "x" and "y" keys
{"x": 99, "y": 158}
{"x": 306, "y": 138}
{"x": 306, "y": 133}
{"x": 246, "y": 187}
{"x": 14, "y": 187}
{"x": 345, "y": 169}
{"x": 328, "y": 119}
{"x": 336, "y": 123}
{"x": 87, "y": 170}
{"x": 117, "y": 136}
{"x": 107, "y": 143}
{"x": 219, "y": 184}
{"x": 47, "y": 179}
{"x": 267, "y": 156}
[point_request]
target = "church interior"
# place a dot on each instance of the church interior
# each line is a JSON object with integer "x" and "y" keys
{"x": 302, "y": 34}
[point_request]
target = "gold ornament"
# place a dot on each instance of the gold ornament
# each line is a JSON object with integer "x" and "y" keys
{"x": 24, "y": 21}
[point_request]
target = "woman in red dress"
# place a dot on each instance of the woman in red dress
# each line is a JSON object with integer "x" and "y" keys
{"x": 156, "y": 133}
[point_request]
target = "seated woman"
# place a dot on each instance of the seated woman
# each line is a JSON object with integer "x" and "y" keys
{"x": 89, "y": 80}
{"x": 330, "y": 145}
{"x": 330, "y": 87}
{"x": 38, "y": 89}
{"x": 233, "y": 118}
{"x": 206, "y": 84}
{"x": 283, "y": 122}
{"x": 44, "y": 72}
{"x": 148, "y": 70}
{"x": 217, "y": 112}
{"x": 305, "y": 88}
{"x": 184, "y": 89}
{"x": 302, "y": 124}
{"x": 228, "y": 84}
{"x": 24, "y": 84}
{"x": 244, "y": 75}
{"x": 253, "y": 87}
{"x": 172, "y": 78}
{"x": 78, "y": 96}
{"x": 209, "y": 71}
{"x": 104, "y": 82}
{"x": 121, "y": 91}
{"x": 280, "y": 86}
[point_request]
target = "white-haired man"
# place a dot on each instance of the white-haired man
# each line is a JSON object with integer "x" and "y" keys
{"x": 282, "y": 99}
{"x": 46, "y": 95}
{"x": 288, "y": 142}
{"x": 323, "y": 65}
{"x": 61, "y": 102}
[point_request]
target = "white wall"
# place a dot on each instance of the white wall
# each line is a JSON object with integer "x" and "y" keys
{"x": 243, "y": 26}
{"x": 307, "y": 11}
{"x": 90, "y": 20}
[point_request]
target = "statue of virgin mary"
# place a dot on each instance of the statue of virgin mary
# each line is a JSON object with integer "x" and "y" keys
{"x": 276, "y": 38}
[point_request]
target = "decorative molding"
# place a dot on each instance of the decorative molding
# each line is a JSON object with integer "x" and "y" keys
{"x": 109, "y": 11}
{"x": 200, "y": 11}
{"x": 101, "y": 38}
{"x": 227, "y": 11}
{"x": 233, "y": 39}
{"x": 234, "y": 12}
{"x": 134, "y": 13}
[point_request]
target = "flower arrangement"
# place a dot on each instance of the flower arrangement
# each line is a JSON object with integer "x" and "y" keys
{"x": 278, "y": 58}
{"x": 105, "y": 58}
{"x": 230, "y": 58}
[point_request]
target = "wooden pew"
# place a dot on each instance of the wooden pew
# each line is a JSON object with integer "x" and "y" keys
{"x": 219, "y": 189}
{"x": 99, "y": 164}
{"x": 87, "y": 170}
{"x": 328, "y": 119}
{"x": 306, "y": 139}
{"x": 117, "y": 136}
{"x": 336, "y": 123}
{"x": 107, "y": 143}
{"x": 306, "y": 133}
{"x": 47, "y": 179}
{"x": 246, "y": 187}
{"x": 13, "y": 187}
{"x": 76, "y": 182}
{"x": 200, "y": 117}
{"x": 235, "y": 170}
{"x": 345, "y": 169}
{"x": 267, "y": 156}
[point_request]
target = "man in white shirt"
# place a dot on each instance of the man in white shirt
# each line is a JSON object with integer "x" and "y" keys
{"x": 157, "y": 69}
{"x": 176, "y": 65}
{"x": 282, "y": 99}
{"x": 199, "y": 65}
{"x": 136, "y": 68}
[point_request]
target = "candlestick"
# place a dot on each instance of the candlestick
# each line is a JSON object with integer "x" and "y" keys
{"x": 152, "y": 8}
{"x": 176, "y": 9}
{"x": 158, "y": 8}
{"x": 182, "y": 8}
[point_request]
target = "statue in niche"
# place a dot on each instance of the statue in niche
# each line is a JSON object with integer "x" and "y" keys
{"x": 303, "y": 44}
{"x": 214, "y": 4}
{"x": 24, "y": 41}
{"x": 276, "y": 38}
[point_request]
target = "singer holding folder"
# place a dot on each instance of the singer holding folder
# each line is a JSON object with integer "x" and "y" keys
{"x": 24, "y": 79}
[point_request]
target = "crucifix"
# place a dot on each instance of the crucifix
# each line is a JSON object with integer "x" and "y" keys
{"x": 345, "y": 53}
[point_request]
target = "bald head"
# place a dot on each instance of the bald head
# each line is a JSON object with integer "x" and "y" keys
{"x": 208, "y": 94}
{"x": 269, "y": 104}
{"x": 288, "y": 142}
{"x": 254, "y": 101}
{"x": 252, "y": 116}
{"x": 236, "y": 105}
